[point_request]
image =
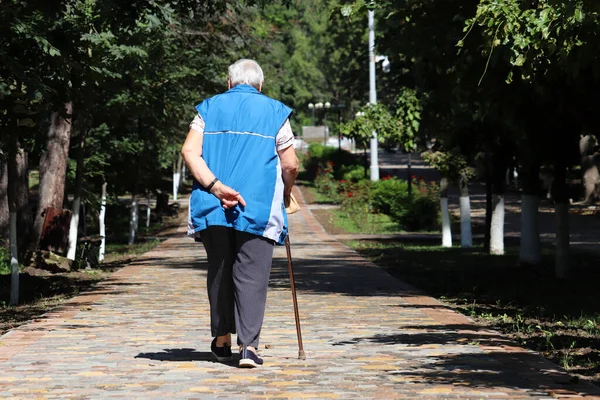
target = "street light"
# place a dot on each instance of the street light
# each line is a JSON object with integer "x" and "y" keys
{"x": 311, "y": 107}
{"x": 373, "y": 91}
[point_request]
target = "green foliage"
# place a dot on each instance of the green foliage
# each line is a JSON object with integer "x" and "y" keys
{"x": 4, "y": 261}
{"x": 408, "y": 112}
{"x": 372, "y": 118}
{"x": 421, "y": 212}
{"x": 318, "y": 155}
{"x": 354, "y": 173}
{"x": 325, "y": 182}
{"x": 389, "y": 193}
{"x": 451, "y": 164}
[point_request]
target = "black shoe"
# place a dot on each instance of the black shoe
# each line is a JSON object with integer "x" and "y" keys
{"x": 221, "y": 353}
{"x": 248, "y": 359}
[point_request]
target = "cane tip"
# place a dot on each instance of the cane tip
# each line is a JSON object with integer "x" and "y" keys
{"x": 301, "y": 355}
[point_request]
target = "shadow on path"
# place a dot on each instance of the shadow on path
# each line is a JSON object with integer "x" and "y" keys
{"x": 185, "y": 355}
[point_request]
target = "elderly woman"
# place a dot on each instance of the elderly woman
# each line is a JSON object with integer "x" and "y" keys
{"x": 240, "y": 152}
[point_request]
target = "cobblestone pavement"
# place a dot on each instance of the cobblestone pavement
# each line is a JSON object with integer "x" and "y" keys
{"x": 145, "y": 334}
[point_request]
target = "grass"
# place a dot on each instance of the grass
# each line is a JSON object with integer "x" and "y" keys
{"x": 311, "y": 195}
{"x": 367, "y": 223}
{"x": 559, "y": 318}
{"x": 121, "y": 252}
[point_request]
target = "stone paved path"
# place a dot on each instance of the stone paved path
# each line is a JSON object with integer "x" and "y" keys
{"x": 144, "y": 334}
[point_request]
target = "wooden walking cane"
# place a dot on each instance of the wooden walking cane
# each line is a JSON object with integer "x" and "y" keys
{"x": 301, "y": 354}
{"x": 292, "y": 207}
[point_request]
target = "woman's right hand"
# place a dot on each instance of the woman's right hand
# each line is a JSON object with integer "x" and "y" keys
{"x": 228, "y": 196}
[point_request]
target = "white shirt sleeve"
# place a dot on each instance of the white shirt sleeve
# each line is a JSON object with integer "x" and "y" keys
{"x": 197, "y": 124}
{"x": 285, "y": 136}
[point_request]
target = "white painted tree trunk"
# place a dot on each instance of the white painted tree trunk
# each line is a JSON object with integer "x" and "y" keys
{"x": 176, "y": 177}
{"x": 148, "y": 212}
{"x": 446, "y": 232}
{"x": 466, "y": 236}
{"x": 530, "y": 252}
{"x": 14, "y": 260}
{"x": 101, "y": 219}
{"x": 73, "y": 229}
{"x": 133, "y": 220}
{"x": 497, "y": 228}
{"x": 562, "y": 240}
{"x": 183, "y": 172}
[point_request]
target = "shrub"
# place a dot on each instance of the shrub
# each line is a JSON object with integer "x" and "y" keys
{"x": 354, "y": 199}
{"x": 423, "y": 211}
{"x": 319, "y": 155}
{"x": 387, "y": 194}
{"x": 353, "y": 173}
{"x": 325, "y": 183}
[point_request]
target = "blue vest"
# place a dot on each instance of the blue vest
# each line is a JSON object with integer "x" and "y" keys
{"x": 239, "y": 148}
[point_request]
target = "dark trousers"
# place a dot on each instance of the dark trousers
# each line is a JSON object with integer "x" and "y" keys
{"x": 238, "y": 278}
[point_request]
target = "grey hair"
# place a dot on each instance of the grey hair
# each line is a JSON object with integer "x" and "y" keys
{"x": 246, "y": 71}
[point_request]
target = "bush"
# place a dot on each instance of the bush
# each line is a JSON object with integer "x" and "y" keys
{"x": 354, "y": 199}
{"x": 387, "y": 194}
{"x": 354, "y": 173}
{"x": 325, "y": 182}
{"x": 390, "y": 196}
{"x": 319, "y": 155}
{"x": 423, "y": 212}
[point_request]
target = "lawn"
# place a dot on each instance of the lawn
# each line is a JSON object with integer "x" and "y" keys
{"x": 559, "y": 318}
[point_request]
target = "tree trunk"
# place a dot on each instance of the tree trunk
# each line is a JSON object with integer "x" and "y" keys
{"x": 466, "y": 236}
{"x": 133, "y": 219}
{"x": 13, "y": 180}
{"x": 4, "y": 213}
{"x": 24, "y": 217}
{"x": 53, "y": 166}
{"x": 529, "y": 252}
{"x": 177, "y": 168}
{"x": 14, "y": 261}
{"x": 497, "y": 222}
{"x": 446, "y": 231}
{"x": 561, "y": 206}
{"x": 73, "y": 229}
{"x": 101, "y": 224}
{"x": 488, "y": 206}
{"x": 83, "y": 219}
{"x": 497, "y": 225}
{"x": 148, "y": 211}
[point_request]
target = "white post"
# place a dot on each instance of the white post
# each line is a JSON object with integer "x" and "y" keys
{"x": 175, "y": 180}
{"x": 73, "y": 229}
{"x": 466, "y": 237}
{"x": 148, "y": 212}
{"x": 101, "y": 223}
{"x": 497, "y": 228}
{"x": 373, "y": 95}
{"x": 14, "y": 260}
{"x": 446, "y": 232}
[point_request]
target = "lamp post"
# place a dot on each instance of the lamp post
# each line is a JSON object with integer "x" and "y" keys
{"x": 373, "y": 95}
{"x": 311, "y": 107}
